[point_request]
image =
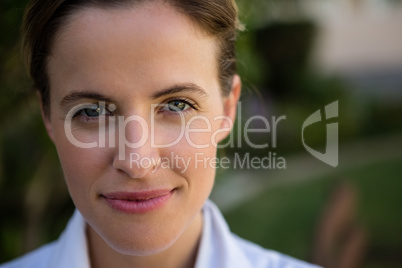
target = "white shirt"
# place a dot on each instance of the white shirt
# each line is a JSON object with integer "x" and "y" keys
{"x": 219, "y": 248}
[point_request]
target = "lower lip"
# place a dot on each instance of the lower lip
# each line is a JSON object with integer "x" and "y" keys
{"x": 135, "y": 207}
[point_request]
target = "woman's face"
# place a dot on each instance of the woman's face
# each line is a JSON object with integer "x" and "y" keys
{"x": 153, "y": 73}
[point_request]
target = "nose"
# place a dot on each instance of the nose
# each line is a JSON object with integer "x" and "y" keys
{"x": 134, "y": 154}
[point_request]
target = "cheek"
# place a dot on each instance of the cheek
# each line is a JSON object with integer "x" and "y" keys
{"x": 193, "y": 157}
{"x": 81, "y": 166}
{"x": 189, "y": 164}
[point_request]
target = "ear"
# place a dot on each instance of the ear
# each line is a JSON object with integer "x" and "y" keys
{"x": 45, "y": 117}
{"x": 230, "y": 107}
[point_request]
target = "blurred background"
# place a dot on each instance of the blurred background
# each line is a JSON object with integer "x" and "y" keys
{"x": 295, "y": 57}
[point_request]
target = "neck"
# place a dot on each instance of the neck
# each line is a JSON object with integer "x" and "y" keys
{"x": 182, "y": 254}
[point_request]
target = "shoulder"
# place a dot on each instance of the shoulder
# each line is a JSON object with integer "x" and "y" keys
{"x": 35, "y": 259}
{"x": 221, "y": 248}
{"x": 70, "y": 250}
{"x": 258, "y": 256}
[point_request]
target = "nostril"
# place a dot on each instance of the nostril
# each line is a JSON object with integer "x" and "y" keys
{"x": 137, "y": 166}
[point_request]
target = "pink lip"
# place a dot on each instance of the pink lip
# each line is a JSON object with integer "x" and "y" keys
{"x": 138, "y": 202}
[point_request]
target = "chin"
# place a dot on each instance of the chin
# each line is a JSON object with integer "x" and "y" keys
{"x": 141, "y": 249}
{"x": 141, "y": 245}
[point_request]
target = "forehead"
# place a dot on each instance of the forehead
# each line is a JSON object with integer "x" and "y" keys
{"x": 157, "y": 17}
{"x": 147, "y": 38}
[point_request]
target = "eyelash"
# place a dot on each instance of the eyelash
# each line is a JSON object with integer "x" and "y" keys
{"x": 102, "y": 109}
{"x": 79, "y": 113}
{"x": 192, "y": 105}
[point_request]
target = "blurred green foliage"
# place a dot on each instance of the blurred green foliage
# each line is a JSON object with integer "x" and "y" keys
{"x": 34, "y": 200}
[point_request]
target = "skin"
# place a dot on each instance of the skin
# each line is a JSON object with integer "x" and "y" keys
{"x": 127, "y": 56}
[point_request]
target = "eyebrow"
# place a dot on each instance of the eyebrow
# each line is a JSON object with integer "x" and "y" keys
{"x": 78, "y": 95}
{"x": 177, "y": 88}
{"x": 181, "y": 88}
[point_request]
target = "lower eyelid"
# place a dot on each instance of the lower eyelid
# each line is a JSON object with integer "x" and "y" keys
{"x": 186, "y": 112}
{"x": 86, "y": 119}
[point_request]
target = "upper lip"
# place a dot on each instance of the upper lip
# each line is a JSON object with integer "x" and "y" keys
{"x": 139, "y": 195}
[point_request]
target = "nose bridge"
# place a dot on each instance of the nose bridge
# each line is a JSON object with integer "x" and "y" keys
{"x": 135, "y": 155}
{"x": 134, "y": 130}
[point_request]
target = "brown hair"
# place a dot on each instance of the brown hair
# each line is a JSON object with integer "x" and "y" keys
{"x": 44, "y": 18}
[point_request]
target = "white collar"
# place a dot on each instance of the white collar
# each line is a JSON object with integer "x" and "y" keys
{"x": 71, "y": 249}
{"x": 219, "y": 248}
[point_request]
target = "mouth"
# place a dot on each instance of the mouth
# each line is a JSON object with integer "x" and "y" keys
{"x": 138, "y": 202}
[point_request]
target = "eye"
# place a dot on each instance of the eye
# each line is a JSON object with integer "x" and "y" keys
{"x": 177, "y": 106}
{"x": 93, "y": 111}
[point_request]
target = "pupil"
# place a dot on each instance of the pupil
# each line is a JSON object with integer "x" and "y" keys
{"x": 177, "y": 106}
{"x": 92, "y": 112}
